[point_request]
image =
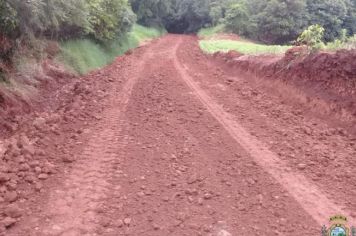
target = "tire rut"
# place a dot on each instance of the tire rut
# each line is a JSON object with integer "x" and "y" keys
{"x": 166, "y": 159}
{"x": 74, "y": 207}
{"x": 309, "y": 196}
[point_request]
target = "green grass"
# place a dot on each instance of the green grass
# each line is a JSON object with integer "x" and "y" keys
{"x": 209, "y": 32}
{"x": 85, "y": 55}
{"x": 212, "y": 46}
{"x": 349, "y": 44}
{"x": 141, "y": 33}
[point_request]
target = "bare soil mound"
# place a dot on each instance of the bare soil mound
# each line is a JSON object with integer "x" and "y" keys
{"x": 324, "y": 78}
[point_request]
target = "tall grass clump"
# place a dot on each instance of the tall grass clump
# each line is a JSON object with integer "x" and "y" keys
{"x": 85, "y": 55}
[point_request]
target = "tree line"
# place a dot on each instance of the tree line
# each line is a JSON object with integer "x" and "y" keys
{"x": 100, "y": 19}
{"x": 271, "y": 21}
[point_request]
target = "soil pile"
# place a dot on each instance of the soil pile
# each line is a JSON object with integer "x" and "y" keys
{"x": 327, "y": 77}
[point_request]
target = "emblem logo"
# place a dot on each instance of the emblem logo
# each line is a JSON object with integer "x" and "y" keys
{"x": 338, "y": 227}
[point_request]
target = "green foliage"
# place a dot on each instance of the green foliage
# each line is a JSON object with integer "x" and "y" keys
{"x": 331, "y": 14}
{"x": 216, "y": 13}
{"x": 183, "y": 16}
{"x": 269, "y": 21}
{"x": 84, "y": 55}
{"x": 153, "y": 12}
{"x": 101, "y": 19}
{"x": 26, "y": 23}
{"x": 50, "y": 17}
{"x": 312, "y": 37}
{"x": 348, "y": 43}
{"x": 212, "y": 46}
{"x": 280, "y": 21}
{"x": 109, "y": 18}
{"x": 237, "y": 18}
{"x": 8, "y": 18}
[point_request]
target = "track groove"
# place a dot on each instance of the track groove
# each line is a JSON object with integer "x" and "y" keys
{"x": 307, "y": 194}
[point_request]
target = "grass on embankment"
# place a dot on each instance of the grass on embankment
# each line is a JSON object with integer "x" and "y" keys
{"x": 210, "y": 32}
{"x": 85, "y": 55}
{"x": 212, "y": 46}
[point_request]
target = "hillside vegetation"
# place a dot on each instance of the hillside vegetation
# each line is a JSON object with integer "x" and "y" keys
{"x": 268, "y": 21}
{"x": 84, "y": 55}
{"x": 92, "y": 32}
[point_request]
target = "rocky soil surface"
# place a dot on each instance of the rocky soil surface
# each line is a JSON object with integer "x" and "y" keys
{"x": 167, "y": 141}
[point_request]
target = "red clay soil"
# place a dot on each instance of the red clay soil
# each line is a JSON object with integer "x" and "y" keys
{"x": 326, "y": 81}
{"x": 166, "y": 142}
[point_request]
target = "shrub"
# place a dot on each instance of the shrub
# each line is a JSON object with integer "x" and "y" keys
{"x": 313, "y": 37}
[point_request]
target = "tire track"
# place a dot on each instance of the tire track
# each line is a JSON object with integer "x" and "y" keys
{"x": 307, "y": 194}
{"x": 74, "y": 208}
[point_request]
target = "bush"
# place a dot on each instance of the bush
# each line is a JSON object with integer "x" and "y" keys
{"x": 312, "y": 37}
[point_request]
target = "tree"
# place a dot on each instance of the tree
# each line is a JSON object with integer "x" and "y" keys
{"x": 237, "y": 18}
{"x": 177, "y": 16}
{"x": 49, "y": 17}
{"x": 216, "y": 13}
{"x": 109, "y": 18}
{"x": 331, "y": 14}
{"x": 8, "y": 19}
{"x": 153, "y": 12}
{"x": 281, "y": 20}
{"x": 350, "y": 21}
{"x": 101, "y": 19}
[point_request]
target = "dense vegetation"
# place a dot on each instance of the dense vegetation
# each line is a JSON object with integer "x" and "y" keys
{"x": 91, "y": 33}
{"x": 107, "y": 22}
{"x": 100, "y": 19}
{"x": 270, "y": 21}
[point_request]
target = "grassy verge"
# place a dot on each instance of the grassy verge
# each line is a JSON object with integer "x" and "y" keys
{"x": 212, "y": 46}
{"x": 84, "y": 55}
{"x": 210, "y": 32}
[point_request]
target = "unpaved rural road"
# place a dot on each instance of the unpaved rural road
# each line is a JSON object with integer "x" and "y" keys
{"x": 183, "y": 148}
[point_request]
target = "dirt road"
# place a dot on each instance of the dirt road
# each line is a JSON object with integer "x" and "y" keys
{"x": 183, "y": 148}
